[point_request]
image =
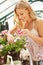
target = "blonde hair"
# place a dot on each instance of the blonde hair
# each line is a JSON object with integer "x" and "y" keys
{"x": 22, "y": 5}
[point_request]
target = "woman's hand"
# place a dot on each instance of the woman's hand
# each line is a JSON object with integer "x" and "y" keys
{"x": 4, "y": 32}
{"x": 10, "y": 38}
{"x": 26, "y": 31}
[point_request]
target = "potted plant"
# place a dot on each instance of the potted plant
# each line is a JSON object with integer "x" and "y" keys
{"x": 13, "y": 49}
{"x": 3, "y": 41}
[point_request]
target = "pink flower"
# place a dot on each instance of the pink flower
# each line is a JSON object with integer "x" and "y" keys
{"x": 4, "y": 32}
{"x": 20, "y": 32}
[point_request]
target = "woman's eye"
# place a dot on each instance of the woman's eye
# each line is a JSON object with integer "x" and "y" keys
{"x": 28, "y": 12}
{"x": 21, "y": 13}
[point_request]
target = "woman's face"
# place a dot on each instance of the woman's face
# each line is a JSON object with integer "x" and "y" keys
{"x": 23, "y": 16}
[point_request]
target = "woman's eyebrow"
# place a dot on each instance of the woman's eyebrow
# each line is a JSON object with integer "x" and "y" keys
{"x": 21, "y": 13}
{"x": 26, "y": 8}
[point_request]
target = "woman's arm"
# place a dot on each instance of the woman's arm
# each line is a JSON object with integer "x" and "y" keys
{"x": 36, "y": 38}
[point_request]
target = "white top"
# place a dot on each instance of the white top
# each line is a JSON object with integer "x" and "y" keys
{"x": 33, "y": 31}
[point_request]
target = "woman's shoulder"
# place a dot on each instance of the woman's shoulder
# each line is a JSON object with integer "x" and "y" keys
{"x": 39, "y": 20}
{"x": 40, "y": 26}
{"x": 39, "y": 23}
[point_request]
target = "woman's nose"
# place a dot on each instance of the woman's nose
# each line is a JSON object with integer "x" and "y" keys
{"x": 20, "y": 17}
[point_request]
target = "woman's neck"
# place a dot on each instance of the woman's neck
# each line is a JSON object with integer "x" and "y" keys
{"x": 30, "y": 25}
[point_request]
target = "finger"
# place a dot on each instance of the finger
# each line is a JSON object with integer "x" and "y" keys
{"x": 4, "y": 32}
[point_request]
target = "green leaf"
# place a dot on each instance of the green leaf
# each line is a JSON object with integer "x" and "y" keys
{"x": 13, "y": 47}
{"x": 2, "y": 40}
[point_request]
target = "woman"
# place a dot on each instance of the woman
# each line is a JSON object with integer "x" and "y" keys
{"x": 27, "y": 21}
{"x": 25, "y": 18}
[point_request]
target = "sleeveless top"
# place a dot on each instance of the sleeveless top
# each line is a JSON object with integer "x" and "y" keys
{"x": 35, "y": 49}
{"x": 33, "y": 31}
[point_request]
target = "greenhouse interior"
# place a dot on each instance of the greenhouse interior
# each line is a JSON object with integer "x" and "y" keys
{"x": 21, "y": 32}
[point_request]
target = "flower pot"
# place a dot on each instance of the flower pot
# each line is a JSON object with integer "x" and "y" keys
{"x": 15, "y": 55}
{"x": 25, "y": 62}
{"x": 3, "y": 60}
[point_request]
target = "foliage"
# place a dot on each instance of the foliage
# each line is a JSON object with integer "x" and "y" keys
{"x": 13, "y": 47}
{"x": 2, "y": 40}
